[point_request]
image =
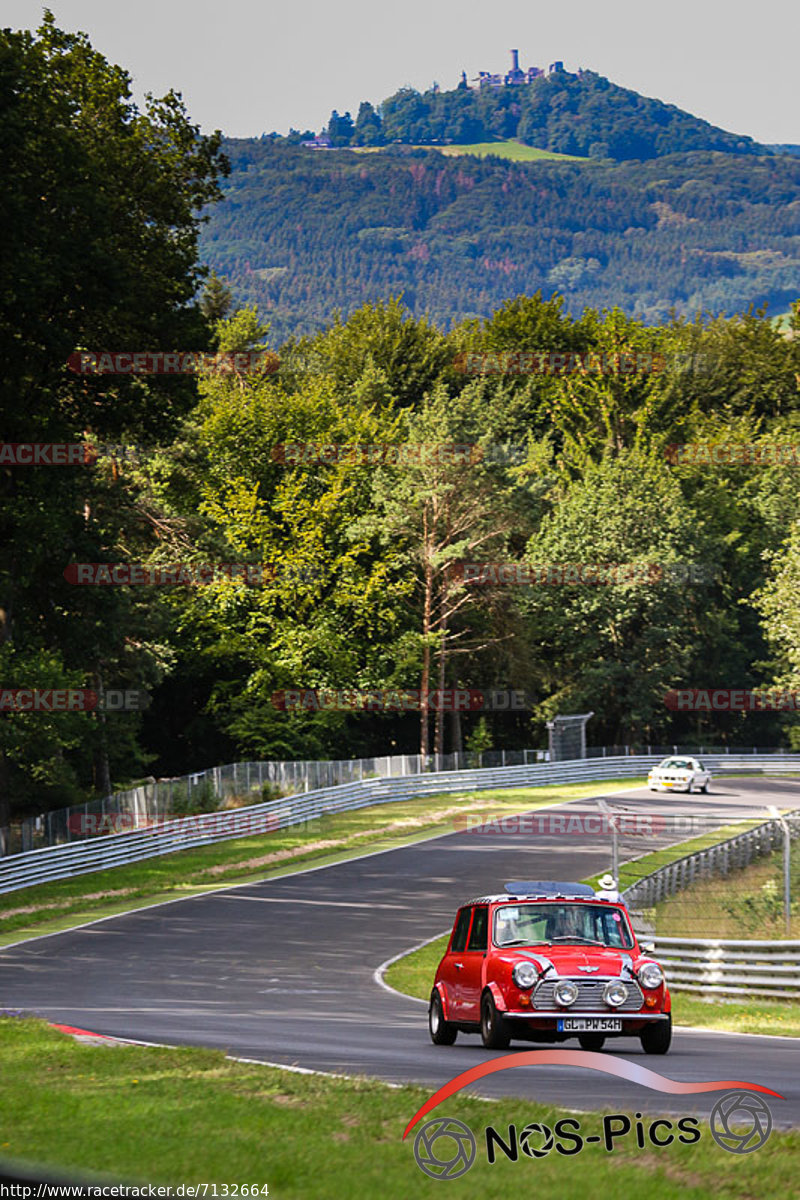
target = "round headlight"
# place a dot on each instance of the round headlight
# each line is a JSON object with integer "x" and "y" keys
{"x": 565, "y": 993}
{"x": 524, "y": 974}
{"x": 651, "y": 975}
{"x": 615, "y": 993}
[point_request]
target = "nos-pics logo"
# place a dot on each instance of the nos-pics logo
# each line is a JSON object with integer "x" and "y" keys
{"x": 740, "y": 1122}
{"x": 445, "y": 1148}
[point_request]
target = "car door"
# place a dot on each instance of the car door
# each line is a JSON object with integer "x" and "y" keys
{"x": 453, "y": 965}
{"x": 473, "y": 960}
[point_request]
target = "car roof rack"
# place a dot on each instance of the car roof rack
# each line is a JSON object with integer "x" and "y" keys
{"x": 548, "y": 887}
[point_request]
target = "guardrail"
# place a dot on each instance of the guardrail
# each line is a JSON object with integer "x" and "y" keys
{"x": 182, "y": 833}
{"x": 731, "y": 968}
{"x": 730, "y": 855}
{"x": 159, "y": 799}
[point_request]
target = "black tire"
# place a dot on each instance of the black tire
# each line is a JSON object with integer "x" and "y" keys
{"x": 656, "y": 1038}
{"x": 443, "y": 1033}
{"x": 591, "y": 1041}
{"x": 704, "y": 788}
{"x": 494, "y": 1031}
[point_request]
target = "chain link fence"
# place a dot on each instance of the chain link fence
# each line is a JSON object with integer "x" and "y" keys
{"x": 231, "y": 786}
{"x": 746, "y": 885}
{"x": 237, "y": 784}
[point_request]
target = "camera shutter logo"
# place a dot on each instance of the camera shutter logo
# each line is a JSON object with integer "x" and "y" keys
{"x": 444, "y": 1148}
{"x": 529, "y": 1137}
{"x": 730, "y": 1110}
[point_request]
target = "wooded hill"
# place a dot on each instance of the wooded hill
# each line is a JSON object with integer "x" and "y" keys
{"x": 302, "y": 232}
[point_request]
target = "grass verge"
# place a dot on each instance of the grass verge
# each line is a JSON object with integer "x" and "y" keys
{"x": 636, "y": 868}
{"x": 744, "y": 904}
{"x": 51, "y": 907}
{"x": 187, "y": 1116}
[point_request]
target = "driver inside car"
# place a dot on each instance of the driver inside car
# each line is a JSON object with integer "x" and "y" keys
{"x": 563, "y": 925}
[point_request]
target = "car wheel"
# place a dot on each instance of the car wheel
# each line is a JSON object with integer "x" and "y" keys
{"x": 704, "y": 788}
{"x": 494, "y": 1033}
{"x": 656, "y": 1038}
{"x": 443, "y": 1033}
{"x": 591, "y": 1041}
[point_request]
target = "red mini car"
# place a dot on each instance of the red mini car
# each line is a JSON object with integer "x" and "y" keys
{"x": 545, "y": 962}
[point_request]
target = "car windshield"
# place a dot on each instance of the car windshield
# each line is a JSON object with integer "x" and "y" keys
{"x": 676, "y": 764}
{"x": 560, "y": 923}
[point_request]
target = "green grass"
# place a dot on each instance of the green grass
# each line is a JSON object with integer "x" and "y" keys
{"x": 636, "y": 868}
{"x": 173, "y": 1116}
{"x": 744, "y": 904}
{"x": 51, "y": 907}
{"x": 515, "y": 151}
{"x": 780, "y": 1017}
{"x": 510, "y": 149}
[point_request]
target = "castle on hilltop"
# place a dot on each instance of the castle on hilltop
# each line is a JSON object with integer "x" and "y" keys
{"x": 516, "y": 75}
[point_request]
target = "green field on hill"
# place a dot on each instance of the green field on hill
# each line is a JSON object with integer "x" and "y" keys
{"x": 510, "y": 149}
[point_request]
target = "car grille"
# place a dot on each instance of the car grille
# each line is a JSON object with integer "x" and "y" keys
{"x": 590, "y": 996}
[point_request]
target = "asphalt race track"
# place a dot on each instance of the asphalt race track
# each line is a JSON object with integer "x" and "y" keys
{"x": 283, "y": 971}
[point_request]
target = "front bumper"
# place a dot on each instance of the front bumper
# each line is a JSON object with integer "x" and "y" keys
{"x": 627, "y": 1018}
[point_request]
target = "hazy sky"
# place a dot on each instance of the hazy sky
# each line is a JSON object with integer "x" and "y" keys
{"x": 248, "y": 67}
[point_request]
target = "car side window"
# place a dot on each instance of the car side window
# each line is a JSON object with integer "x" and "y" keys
{"x": 480, "y": 929}
{"x": 460, "y": 932}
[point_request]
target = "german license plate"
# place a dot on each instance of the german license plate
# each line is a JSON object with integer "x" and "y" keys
{"x": 589, "y": 1025}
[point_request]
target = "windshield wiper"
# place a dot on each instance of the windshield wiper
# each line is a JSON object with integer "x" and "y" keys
{"x": 523, "y": 942}
{"x": 576, "y": 937}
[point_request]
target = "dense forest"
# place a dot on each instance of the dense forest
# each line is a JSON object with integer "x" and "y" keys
{"x": 364, "y": 587}
{"x": 303, "y": 232}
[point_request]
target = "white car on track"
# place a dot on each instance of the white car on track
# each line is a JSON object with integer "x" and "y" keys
{"x": 679, "y": 774}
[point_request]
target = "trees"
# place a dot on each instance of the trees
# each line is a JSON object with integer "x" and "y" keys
{"x": 444, "y": 507}
{"x": 614, "y": 647}
{"x": 779, "y": 604}
{"x": 100, "y": 213}
{"x": 340, "y": 129}
{"x": 464, "y": 236}
{"x": 368, "y": 129}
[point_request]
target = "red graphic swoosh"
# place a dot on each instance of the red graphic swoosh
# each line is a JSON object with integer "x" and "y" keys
{"x": 582, "y": 1058}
